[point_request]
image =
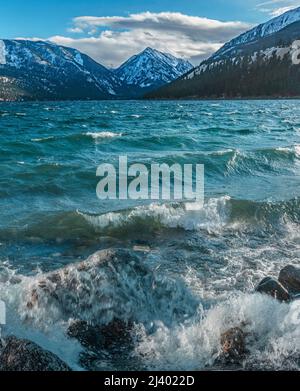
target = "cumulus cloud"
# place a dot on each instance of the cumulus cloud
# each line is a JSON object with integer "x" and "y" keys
{"x": 112, "y": 39}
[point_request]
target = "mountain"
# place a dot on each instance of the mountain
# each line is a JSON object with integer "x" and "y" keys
{"x": 39, "y": 70}
{"x": 149, "y": 70}
{"x": 261, "y": 31}
{"x": 42, "y": 70}
{"x": 258, "y": 63}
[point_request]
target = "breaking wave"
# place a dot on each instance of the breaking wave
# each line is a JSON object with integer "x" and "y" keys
{"x": 100, "y": 135}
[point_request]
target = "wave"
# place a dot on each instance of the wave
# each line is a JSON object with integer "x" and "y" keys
{"x": 189, "y": 216}
{"x": 42, "y": 139}
{"x": 271, "y": 328}
{"x": 216, "y": 216}
{"x": 77, "y": 137}
{"x": 110, "y": 284}
{"x": 103, "y": 135}
{"x": 174, "y": 329}
{"x": 268, "y": 160}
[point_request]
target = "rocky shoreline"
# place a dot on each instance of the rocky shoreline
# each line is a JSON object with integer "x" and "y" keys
{"x": 116, "y": 333}
{"x": 285, "y": 289}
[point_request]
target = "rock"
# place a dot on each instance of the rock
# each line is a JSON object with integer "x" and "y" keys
{"x": 23, "y": 355}
{"x": 289, "y": 277}
{"x": 233, "y": 344}
{"x": 272, "y": 287}
{"x": 88, "y": 335}
{"x": 82, "y": 288}
{"x": 117, "y": 332}
{"x": 98, "y": 337}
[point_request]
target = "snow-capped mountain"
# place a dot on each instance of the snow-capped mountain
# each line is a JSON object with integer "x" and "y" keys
{"x": 263, "y": 30}
{"x": 42, "y": 70}
{"x": 148, "y": 70}
{"x": 255, "y": 64}
{"x": 38, "y": 70}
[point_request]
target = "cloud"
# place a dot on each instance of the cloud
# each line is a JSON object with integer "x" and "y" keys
{"x": 278, "y": 7}
{"x": 281, "y": 10}
{"x": 112, "y": 39}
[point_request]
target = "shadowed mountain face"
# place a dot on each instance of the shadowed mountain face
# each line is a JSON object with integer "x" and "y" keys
{"x": 45, "y": 71}
{"x": 41, "y": 70}
{"x": 256, "y": 64}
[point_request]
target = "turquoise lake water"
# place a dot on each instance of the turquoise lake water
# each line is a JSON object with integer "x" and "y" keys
{"x": 209, "y": 258}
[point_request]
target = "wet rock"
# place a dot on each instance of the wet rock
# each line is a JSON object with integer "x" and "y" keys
{"x": 88, "y": 335}
{"x": 289, "y": 277}
{"x": 272, "y": 287}
{"x": 111, "y": 284}
{"x": 233, "y": 344}
{"x": 97, "y": 337}
{"x": 117, "y": 332}
{"x": 76, "y": 288}
{"x": 23, "y": 355}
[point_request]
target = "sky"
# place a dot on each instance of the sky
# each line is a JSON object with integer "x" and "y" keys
{"x": 111, "y": 31}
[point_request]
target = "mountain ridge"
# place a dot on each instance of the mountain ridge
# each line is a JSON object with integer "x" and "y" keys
{"x": 40, "y": 70}
{"x": 262, "y": 30}
{"x": 252, "y": 67}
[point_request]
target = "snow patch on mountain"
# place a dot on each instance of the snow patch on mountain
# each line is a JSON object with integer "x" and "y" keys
{"x": 2, "y": 53}
{"x": 265, "y": 55}
{"x": 265, "y": 29}
{"x": 152, "y": 68}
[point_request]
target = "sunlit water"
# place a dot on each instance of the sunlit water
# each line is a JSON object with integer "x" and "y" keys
{"x": 207, "y": 260}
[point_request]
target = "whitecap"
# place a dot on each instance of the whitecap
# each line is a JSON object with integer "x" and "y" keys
{"x": 103, "y": 135}
{"x": 212, "y": 216}
{"x": 39, "y": 140}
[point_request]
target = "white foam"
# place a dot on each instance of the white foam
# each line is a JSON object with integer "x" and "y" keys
{"x": 273, "y": 327}
{"x": 38, "y": 140}
{"x": 99, "y": 135}
{"x": 295, "y": 149}
{"x": 2, "y": 53}
{"x": 189, "y": 216}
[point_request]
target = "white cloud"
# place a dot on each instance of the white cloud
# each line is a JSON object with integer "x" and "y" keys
{"x": 278, "y": 7}
{"x": 112, "y": 39}
{"x": 281, "y": 10}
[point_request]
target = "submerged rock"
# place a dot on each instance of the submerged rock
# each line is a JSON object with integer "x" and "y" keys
{"x": 272, "y": 287}
{"x": 23, "y": 355}
{"x": 111, "y": 284}
{"x": 289, "y": 277}
{"x": 233, "y": 344}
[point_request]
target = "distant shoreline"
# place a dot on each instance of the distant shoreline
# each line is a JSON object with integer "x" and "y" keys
{"x": 258, "y": 98}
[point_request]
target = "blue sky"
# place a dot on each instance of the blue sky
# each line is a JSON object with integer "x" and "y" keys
{"x": 187, "y": 28}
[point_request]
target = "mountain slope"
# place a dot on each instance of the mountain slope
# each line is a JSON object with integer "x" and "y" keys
{"x": 42, "y": 70}
{"x": 261, "y": 31}
{"x": 255, "y": 64}
{"x": 149, "y": 70}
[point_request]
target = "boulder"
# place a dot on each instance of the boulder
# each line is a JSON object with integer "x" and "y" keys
{"x": 97, "y": 337}
{"x": 289, "y": 277}
{"x": 233, "y": 344}
{"x": 111, "y": 284}
{"x": 272, "y": 287}
{"x": 23, "y": 355}
{"x": 93, "y": 288}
